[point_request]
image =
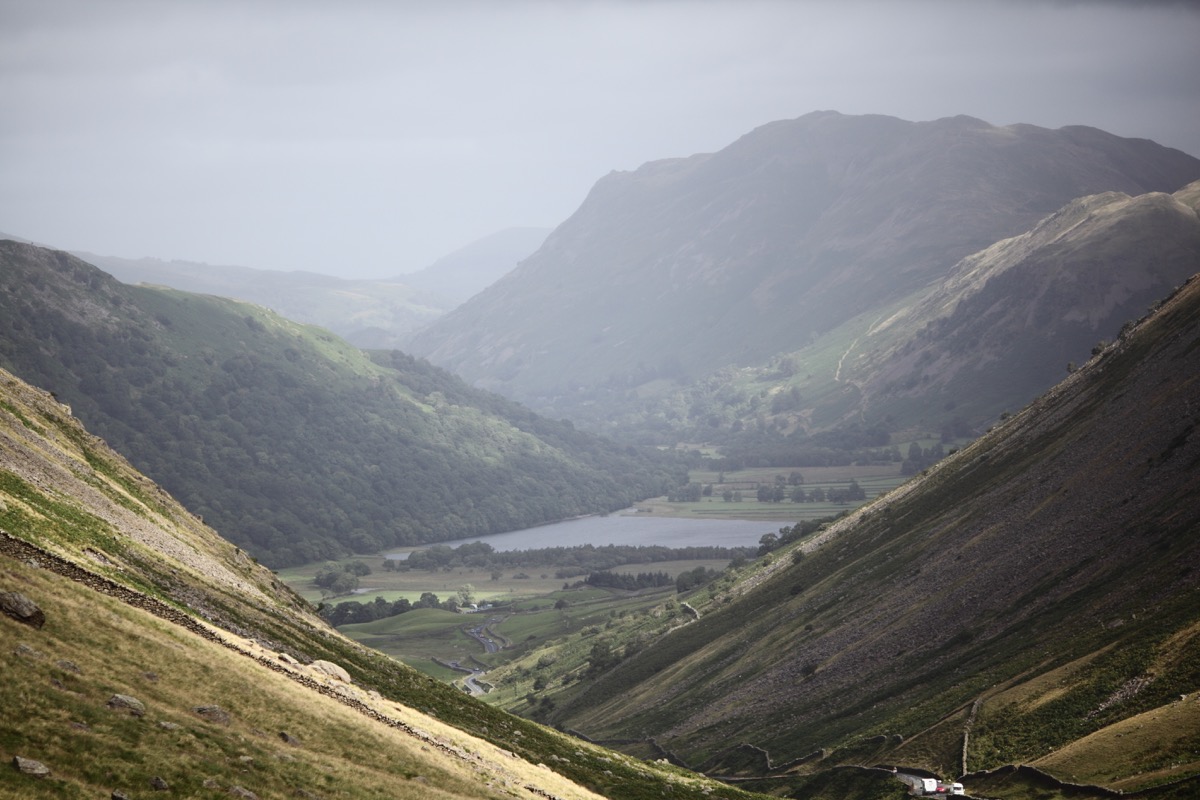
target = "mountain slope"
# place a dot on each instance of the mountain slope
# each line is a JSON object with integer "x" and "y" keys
{"x": 690, "y": 264}
{"x": 290, "y": 442}
{"x": 1007, "y": 320}
{"x": 1016, "y": 605}
{"x": 163, "y": 659}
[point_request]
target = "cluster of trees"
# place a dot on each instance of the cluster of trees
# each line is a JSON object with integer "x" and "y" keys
{"x": 693, "y": 579}
{"x": 352, "y": 611}
{"x": 568, "y": 561}
{"x": 920, "y": 458}
{"x": 797, "y": 494}
{"x": 289, "y": 442}
{"x": 626, "y": 580}
{"x": 338, "y": 579}
{"x": 787, "y": 535}
{"x": 688, "y": 493}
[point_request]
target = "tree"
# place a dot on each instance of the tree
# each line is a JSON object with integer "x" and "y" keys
{"x": 602, "y": 657}
{"x": 344, "y": 583}
{"x": 466, "y": 595}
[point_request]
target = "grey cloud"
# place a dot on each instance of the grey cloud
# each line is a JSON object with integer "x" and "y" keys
{"x": 373, "y": 137}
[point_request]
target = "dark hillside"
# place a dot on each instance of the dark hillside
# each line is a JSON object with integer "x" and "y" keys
{"x": 287, "y": 440}
{"x": 1028, "y": 601}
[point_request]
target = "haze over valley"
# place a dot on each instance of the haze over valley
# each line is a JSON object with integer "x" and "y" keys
{"x": 826, "y": 454}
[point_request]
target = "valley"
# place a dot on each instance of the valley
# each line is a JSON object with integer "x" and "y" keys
{"x": 893, "y": 435}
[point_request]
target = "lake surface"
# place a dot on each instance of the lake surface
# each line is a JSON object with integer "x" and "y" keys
{"x": 628, "y": 529}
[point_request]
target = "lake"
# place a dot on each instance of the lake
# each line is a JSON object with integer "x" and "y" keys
{"x": 627, "y": 528}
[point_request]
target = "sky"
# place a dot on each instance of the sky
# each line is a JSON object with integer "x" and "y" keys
{"x": 368, "y": 138}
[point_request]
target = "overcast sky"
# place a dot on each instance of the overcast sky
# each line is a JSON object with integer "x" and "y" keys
{"x": 366, "y": 138}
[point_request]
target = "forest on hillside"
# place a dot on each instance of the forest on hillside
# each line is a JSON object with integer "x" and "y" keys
{"x": 289, "y": 442}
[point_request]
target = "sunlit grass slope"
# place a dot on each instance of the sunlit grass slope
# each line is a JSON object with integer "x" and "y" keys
{"x": 141, "y": 599}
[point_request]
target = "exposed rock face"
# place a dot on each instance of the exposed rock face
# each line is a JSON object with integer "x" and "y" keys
{"x": 22, "y": 609}
{"x": 28, "y": 766}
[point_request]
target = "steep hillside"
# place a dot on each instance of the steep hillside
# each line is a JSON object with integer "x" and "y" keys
{"x": 143, "y": 655}
{"x": 290, "y": 442}
{"x": 1032, "y": 599}
{"x": 1012, "y": 317}
{"x": 687, "y": 265}
{"x": 367, "y": 313}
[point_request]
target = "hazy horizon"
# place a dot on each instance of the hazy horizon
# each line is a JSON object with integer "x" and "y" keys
{"x": 369, "y": 139}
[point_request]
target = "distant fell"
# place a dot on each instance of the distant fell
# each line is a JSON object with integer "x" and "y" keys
{"x": 686, "y": 265}
{"x": 369, "y": 313}
{"x": 469, "y": 270}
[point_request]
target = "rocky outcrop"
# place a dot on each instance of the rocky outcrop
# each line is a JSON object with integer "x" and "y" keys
{"x": 27, "y": 766}
{"x": 331, "y": 670}
{"x": 124, "y": 702}
{"x": 22, "y": 609}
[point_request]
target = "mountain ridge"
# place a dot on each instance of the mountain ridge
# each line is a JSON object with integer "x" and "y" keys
{"x": 687, "y": 264}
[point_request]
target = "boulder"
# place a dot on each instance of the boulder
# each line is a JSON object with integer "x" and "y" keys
{"x": 27, "y": 766}
{"x": 22, "y": 609}
{"x": 331, "y": 670}
{"x": 25, "y": 651}
{"x": 245, "y": 794}
{"x": 124, "y": 702}
{"x": 213, "y": 714}
{"x": 158, "y": 784}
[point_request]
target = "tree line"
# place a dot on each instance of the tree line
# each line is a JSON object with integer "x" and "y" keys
{"x": 569, "y": 561}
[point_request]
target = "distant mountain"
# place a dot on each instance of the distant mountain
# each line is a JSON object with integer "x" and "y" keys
{"x": 689, "y": 265}
{"x": 1032, "y": 600}
{"x": 289, "y": 441}
{"x": 147, "y": 656}
{"x": 369, "y": 313}
{"x": 466, "y": 272}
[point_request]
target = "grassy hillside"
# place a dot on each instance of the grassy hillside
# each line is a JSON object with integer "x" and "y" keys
{"x": 293, "y": 444}
{"x": 223, "y": 663}
{"x": 1021, "y": 603}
